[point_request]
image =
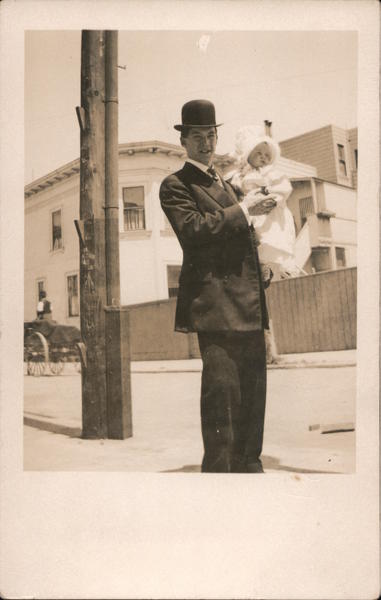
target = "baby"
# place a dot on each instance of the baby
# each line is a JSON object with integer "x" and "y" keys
{"x": 256, "y": 156}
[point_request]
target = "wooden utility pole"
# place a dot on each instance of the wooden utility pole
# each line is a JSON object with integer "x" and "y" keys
{"x": 119, "y": 417}
{"x": 106, "y": 398}
{"x": 92, "y": 238}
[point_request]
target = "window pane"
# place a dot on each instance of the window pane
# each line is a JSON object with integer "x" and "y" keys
{"x": 340, "y": 257}
{"x": 320, "y": 258}
{"x": 173, "y": 274}
{"x": 306, "y": 207}
{"x": 133, "y": 208}
{"x": 342, "y": 165}
{"x": 73, "y": 298}
{"x": 56, "y": 230}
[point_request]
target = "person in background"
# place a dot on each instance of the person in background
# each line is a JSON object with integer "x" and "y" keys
{"x": 44, "y": 307}
{"x": 221, "y": 295}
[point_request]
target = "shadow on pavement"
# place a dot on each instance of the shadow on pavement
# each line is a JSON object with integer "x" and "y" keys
{"x": 53, "y": 427}
{"x": 269, "y": 462}
{"x": 44, "y": 416}
{"x": 185, "y": 469}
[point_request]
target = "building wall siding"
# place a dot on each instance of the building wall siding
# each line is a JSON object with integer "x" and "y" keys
{"x": 314, "y": 148}
{"x": 340, "y": 136}
{"x": 319, "y": 148}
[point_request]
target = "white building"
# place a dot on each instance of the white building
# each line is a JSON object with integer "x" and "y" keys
{"x": 325, "y": 216}
{"x": 150, "y": 255}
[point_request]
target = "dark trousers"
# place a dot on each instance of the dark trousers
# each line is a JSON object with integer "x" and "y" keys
{"x": 233, "y": 398}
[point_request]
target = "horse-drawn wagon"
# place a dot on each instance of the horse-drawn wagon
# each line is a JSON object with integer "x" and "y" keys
{"x": 48, "y": 346}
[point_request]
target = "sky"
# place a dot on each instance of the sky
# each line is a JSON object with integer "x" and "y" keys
{"x": 299, "y": 80}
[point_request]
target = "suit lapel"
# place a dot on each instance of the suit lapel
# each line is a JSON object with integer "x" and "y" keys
{"x": 229, "y": 190}
{"x": 219, "y": 194}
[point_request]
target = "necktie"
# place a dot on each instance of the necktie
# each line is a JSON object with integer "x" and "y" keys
{"x": 213, "y": 173}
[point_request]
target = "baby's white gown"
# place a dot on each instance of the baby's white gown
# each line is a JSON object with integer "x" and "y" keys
{"x": 275, "y": 230}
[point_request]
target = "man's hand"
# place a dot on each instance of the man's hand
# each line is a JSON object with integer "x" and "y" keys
{"x": 258, "y": 203}
{"x": 267, "y": 275}
{"x": 263, "y": 207}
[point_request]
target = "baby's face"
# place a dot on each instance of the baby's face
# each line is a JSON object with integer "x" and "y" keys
{"x": 260, "y": 156}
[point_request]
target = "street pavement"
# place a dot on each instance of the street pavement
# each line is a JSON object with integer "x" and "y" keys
{"x": 307, "y": 396}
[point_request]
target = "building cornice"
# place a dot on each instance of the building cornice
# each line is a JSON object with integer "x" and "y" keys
{"x": 57, "y": 176}
{"x": 128, "y": 149}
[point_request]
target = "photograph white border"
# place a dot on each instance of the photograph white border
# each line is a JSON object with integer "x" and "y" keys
{"x": 122, "y": 535}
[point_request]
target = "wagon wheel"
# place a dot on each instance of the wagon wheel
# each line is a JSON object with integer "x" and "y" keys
{"x": 36, "y": 368}
{"x": 37, "y": 351}
{"x": 56, "y": 367}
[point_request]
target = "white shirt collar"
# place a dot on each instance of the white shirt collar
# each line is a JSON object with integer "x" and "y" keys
{"x": 197, "y": 164}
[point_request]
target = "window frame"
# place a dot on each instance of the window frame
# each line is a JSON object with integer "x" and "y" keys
{"x": 67, "y": 275}
{"x": 341, "y": 155}
{"x": 52, "y": 212}
{"x": 327, "y": 253}
{"x": 344, "y": 257}
{"x": 303, "y": 219}
{"x": 168, "y": 266}
{"x": 140, "y": 229}
{"x": 39, "y": 280}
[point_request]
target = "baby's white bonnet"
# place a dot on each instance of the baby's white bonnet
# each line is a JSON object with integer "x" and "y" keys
{"x": 247, "y": 138}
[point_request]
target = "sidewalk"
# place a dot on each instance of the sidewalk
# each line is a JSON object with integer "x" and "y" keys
{"x": 341, "y": 358}
{"x": 166, "y": 420}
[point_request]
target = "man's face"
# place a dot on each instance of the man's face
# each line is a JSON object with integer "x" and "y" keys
{"x": 260, "y": 156}
{"x": 200, "y": 144}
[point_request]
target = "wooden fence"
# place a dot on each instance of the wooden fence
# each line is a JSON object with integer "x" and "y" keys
{"x": 312, "y": 313}
{"x": 153, "y": 336}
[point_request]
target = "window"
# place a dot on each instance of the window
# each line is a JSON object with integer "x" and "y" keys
{"x": 72, "y": 295}
{"x": 306, "y": 207}
{"x": 173, "y": 274}
{"x": 133, "y": 208}
{"x": 342, "y": 165}
{"x": 40, "y": 287}
{"x": 320, "y": 259}
{"x": 356, "y": 159}
{"x": 56, "y": 230}
{"x": 340, "y": 257}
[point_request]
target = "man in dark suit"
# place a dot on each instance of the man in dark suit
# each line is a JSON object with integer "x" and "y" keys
{"x": 220, "y": 296}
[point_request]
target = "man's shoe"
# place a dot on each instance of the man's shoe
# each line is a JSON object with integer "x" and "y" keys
{"x": 254, "y": 467}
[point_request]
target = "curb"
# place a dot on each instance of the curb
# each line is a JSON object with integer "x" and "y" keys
{"x": 310, "y": 365}
{"x": 270, "y": 366}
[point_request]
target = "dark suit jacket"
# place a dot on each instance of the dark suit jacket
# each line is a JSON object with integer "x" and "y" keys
{"x": 220, "y": 286}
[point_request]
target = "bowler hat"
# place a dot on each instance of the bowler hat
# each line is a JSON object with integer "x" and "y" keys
{"x": 198, "y": 113}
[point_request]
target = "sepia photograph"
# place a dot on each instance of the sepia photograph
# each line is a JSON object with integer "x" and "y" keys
{"x": 145, "y": 291}
{"x": 190, "y": 308}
